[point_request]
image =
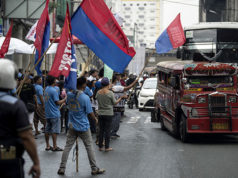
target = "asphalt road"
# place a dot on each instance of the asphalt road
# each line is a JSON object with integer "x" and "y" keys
{"x": 145, "y": 151}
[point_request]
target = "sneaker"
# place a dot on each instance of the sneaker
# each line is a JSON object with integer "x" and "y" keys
{"x": 61, "y": 171}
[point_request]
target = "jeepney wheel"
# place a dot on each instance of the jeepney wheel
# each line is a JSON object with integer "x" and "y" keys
{"x": 183, "y": 129}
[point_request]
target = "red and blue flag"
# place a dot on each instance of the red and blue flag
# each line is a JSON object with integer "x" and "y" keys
{"x": 94, "y": 24}
{"x": 171, "y": 38}
{"x": 42, "y": 36}
{"x": 65, "y": 60}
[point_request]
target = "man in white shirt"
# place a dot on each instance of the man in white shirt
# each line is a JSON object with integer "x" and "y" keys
{"x": 118, "y": 91}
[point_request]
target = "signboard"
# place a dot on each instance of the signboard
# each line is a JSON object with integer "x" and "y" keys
{"x": 108, "y": 72}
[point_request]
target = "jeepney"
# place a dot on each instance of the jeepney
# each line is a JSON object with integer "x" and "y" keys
{"x": 196, "y": 98}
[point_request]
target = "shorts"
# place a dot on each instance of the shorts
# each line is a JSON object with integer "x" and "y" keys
{"x": 53, "y": 125}
{"x": 39, "y": 115}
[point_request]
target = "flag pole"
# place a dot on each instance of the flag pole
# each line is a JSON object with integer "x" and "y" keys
{"x": 77, "y": 155}
{"x": 146, "y": 62}
{"x": 32, "y": 69}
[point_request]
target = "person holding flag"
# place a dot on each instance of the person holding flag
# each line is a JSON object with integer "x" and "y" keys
{"x": 79, "y": 103}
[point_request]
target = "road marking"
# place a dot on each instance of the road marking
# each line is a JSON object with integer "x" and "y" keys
{"x": 133, "y": 120}
{"x": 148, "y": 120}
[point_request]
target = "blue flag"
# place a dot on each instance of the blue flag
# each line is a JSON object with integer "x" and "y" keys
{"x": 71, "y": 80}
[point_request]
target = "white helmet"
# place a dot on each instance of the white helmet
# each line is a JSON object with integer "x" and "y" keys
{"x": 8, "y": 74}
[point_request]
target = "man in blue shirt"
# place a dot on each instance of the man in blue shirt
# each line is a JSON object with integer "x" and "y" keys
{"x": 52, "y": 113}
{"x": 39, "y": 114}
{"x": 79, "y": 107}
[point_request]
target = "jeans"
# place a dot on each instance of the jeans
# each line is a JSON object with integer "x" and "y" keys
{"x": 105, "y": 130}
{"x": 86, "y": 137}
{"x": 116, "y": 123}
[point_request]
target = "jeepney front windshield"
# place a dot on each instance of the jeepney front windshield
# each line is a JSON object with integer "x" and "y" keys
{"x": 210, "y": 81}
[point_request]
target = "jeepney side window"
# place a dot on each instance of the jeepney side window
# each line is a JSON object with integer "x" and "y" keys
{"x": 162, "y": 78}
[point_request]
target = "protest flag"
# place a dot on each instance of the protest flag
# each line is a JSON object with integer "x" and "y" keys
{"x": 171, "y": 38}
{"x": 42, "y": 36}
{"x": 65, "y": 60}
{"x": 94, "y": 24}
{"x": 6, "y": 42}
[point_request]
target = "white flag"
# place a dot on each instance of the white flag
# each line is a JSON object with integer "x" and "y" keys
{"x": 31, "y": 34}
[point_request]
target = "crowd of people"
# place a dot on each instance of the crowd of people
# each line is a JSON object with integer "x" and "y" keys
{"x": 96, "y": 107}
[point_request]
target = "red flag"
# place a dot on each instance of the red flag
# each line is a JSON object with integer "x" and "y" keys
{"x": 40, "y": 28}
{"x": 63, "y": 56}
{"x": 176, "y": 33}
{"x": 6, "y": 42}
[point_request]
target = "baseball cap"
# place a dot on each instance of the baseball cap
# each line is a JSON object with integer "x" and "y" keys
{"x": 105, "y": 81}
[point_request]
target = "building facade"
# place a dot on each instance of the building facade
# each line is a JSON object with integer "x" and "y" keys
{"x": 142, "y": 21}
{"x": 218, "y": 11}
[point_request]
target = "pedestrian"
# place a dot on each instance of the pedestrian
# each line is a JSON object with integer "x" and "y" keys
{"x": 15, "y": 129}
{"x": 39, "y": 114}
{"x": 52, "y": 113}
{"x": 79, "y": 108}
{"x": 93, "y": 75}
{"x": 106, "y": 100}
{"x": 28, "y": 94}
{"x": 119, "y": 91}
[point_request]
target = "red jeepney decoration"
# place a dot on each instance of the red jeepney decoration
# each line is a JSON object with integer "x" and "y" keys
{"x": 209, "y": 68}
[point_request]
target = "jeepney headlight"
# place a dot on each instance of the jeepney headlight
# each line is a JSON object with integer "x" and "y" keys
{"x": 189, "y": 98}
{"x": 232, "y": 99}
{"x": 201, "y": 100}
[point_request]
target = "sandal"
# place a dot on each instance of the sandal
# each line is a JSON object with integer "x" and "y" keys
{"x": 48, "y": 149}
{"x": 100, "y": 149}
{"x": 57, "y": 149}
{"x": 98, "y": 171}
{"x": 108, "y": 149}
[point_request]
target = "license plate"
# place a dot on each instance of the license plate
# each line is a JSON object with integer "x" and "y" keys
{"x": 220, "y": 126}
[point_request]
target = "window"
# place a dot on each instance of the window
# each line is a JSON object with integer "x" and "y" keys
{"x": 141, "y": 24}
{"x": 145, "y": 4}
{"x": 124, "y": 4}
{"x": 141, "y": 16}
{"x": 141, "y": 8}
{"x": 152, "y": 19}
{"x": 131, "y": 4}
{"x": 127, "y": 16}
{"x": 152, "y": 27}
{"x": 138, "y": 4}
{"x": 127, "y": 24}
{"x": 127, "y": 8}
